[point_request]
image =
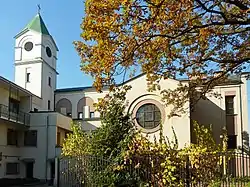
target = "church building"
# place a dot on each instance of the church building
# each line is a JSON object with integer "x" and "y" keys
{"x": 35, "y": 115}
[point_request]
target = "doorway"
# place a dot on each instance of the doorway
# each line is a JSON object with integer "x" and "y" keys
{"x": 29, "y": 170}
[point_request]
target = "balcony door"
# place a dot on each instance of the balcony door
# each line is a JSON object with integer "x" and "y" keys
{"x": 14, "y": 105}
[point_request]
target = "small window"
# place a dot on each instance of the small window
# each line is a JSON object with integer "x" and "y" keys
{"x": 30, "y": 138}
{"x": 48, "y": 104}
{"x": 92, "y": 114}
{"x": 80, "y": 115}
{"x": 12, "y": 168}
{"x": 27, "y": 77}
{"x": 58, "y": 139}
{"x": 48, "y": 52}
{"x": 28, "y": 46}
{"x": 229, "y": 102}
{"x": 232, "y": 142}
{"x": 49, "y": 81}
{"x": 69, "y": 114}
{"x": 12, "y": 137}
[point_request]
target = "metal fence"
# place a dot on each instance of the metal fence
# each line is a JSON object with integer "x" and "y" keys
{"x": 207, "y": 170}
{"x": 14, "y": 116}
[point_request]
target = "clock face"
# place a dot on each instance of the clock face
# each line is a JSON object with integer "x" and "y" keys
{"x": 48, "y": 52}
{"x": 28, "y": 46}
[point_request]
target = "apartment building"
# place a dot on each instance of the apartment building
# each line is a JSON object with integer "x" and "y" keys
{"x": 31, "y": 133}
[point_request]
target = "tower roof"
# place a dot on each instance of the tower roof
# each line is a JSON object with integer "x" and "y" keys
{"x": 36, "y": 24}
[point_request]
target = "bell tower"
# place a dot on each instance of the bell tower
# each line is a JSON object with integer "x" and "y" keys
{"x": 35, "y": 61}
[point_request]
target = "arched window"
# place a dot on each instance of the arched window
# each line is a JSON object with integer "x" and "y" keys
{"x": 64, "y": 106}
{"x": 85, "y": 101}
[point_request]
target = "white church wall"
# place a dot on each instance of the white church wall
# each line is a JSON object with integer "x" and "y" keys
{"x": 213, "y": 111}
{"x": 137, "y": 94}
{"x": 244, "y": 102}
{"x": 181, "y": 124}
{"x": 48, "y": 91}
{"x": 47, "y": 42}
{"x": 74, "y": 98}
{"x": 30, "y": 36}
{"x": 34, "y": 84}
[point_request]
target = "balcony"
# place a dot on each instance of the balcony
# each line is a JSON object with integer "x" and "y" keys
{"x": 17, "y": 117}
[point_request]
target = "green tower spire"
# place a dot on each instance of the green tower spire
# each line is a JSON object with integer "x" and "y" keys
{"x": 36, "y": 24}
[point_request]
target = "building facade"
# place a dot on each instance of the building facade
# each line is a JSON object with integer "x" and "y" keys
{"x": 229, "y": 111}
{"x": 35, "y": 116}
{"x": 31, "y": 131}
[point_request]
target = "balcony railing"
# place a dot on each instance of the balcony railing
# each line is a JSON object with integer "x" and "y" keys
{"x": 18, "y": 117}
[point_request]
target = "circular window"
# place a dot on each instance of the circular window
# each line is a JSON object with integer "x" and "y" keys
{"x": 28, "y": 46}
{"x": 148, "y": 116}
{"x": 48, "y": 52}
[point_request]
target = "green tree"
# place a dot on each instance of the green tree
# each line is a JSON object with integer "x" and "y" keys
{"x": 106, "y": 144}
{"x": 111, "y": 137}
{"x": 117, "y": 128}
{"x": 77, "y": 142}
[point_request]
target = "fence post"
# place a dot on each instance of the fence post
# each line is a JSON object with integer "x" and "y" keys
{"x": 187, "y": 172}
{"x": 57, "y": 173}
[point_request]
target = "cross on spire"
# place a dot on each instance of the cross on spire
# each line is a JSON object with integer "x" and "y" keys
{"x": 38, "y": 8}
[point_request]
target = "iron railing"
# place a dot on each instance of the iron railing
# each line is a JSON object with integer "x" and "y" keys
{"x": 14, "y": 116}
{"x": 224, "y": 169}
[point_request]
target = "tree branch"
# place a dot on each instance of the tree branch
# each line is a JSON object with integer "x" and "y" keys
{"x": 231, "y": 61}
{"x": 238, "y": 4}
{"x": 211, "y": 11}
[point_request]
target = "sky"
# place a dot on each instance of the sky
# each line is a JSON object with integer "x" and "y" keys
{"x": 62, "y": 18}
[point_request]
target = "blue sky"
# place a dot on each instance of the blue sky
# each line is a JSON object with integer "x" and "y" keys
{"x": 62, "y": 19}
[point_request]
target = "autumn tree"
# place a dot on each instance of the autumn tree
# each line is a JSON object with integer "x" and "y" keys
{"x": 166, "y": 39}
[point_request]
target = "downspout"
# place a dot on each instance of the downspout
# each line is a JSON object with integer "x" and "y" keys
{"x": 241, "y": 126}
{"x": 46, "y": 151}
{"x": 241, "y": 121}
